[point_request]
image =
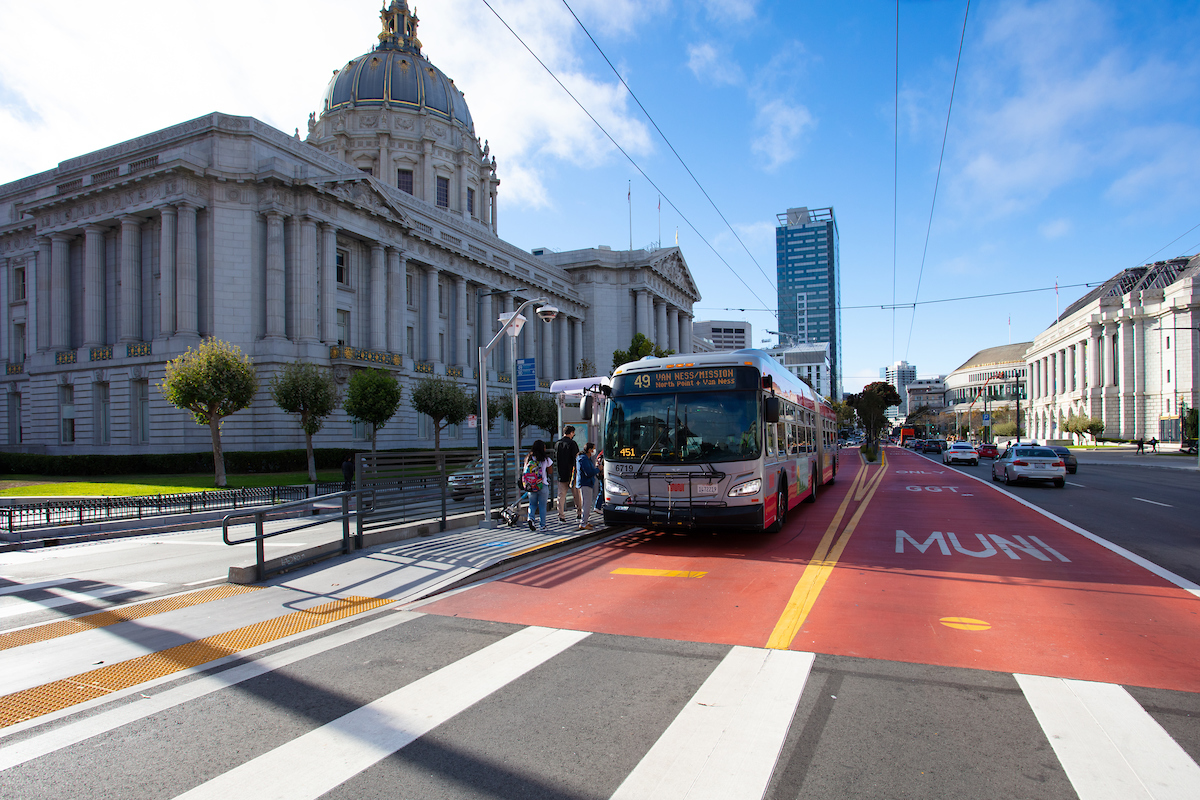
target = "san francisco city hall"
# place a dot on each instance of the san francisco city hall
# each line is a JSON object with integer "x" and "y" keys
{"x": 372, "y": 242}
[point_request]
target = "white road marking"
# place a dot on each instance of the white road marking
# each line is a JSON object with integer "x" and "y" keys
{"x": 1153, "y": 502}
{"x": 322, "y": 759}
{"x": 28, "y": 587}
{"x": 1110, "y": 748}
{"x": 65, "y": 598}
{"x": 1072, "y": 483}
{"x": 247, "y": 544}
{"x": 72, "y": 733}
{"x": 725, "y": 742}
{"x": 206, "y": 580}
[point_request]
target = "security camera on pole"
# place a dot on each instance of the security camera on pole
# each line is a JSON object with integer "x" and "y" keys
{"x": 513, "y": 323}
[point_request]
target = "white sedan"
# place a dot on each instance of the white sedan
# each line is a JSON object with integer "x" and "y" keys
{"x": 960, "y": 451}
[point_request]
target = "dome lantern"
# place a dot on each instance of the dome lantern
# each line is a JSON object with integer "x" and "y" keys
{"x": 399, "y": 28}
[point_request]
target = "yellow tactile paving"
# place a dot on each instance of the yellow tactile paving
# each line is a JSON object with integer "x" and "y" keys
{"x": 60, "y": 694}
{"x": 102, "y": 619}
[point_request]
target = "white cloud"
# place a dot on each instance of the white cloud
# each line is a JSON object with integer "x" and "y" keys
{"x": 780, "y": 126}
{"x": 736, "y": 10}
{"x": 711, "y": 66}
{"x": 1056, "y": 229}
{"x": 145, "y": 65}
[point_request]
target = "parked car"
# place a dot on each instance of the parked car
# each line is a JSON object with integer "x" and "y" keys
{"x": 933, "y": 446}
{"x": 987, "y": 450}
{"x": 1068, "y": 458}
{"x": 469, "y": 480}
{"x": 960, "y": 451}
{"x": 1030, "y": 463}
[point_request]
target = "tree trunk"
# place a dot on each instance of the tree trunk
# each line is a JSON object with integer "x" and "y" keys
{"x": 312, "y": 462}
{"x": 374, "y": 430}
{"x": 214, "y": 427}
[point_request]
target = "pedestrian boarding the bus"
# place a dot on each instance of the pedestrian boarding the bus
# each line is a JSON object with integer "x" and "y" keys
{"x": 535, "y": 479}
{"x": 565, "y": 452}
{"x": 586, "y": 472}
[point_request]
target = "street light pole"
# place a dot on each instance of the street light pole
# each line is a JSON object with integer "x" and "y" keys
{"x": 512, "y": 327}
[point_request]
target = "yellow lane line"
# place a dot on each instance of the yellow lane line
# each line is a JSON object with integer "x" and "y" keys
{"x": 820, "y": 567}
{"x": 537, "y": 547}
{"x": 53, "y": 630}
{"x": 659, "y": 573}
{"x": 61, "y": 694}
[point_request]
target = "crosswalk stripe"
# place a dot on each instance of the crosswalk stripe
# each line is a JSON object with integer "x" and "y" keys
{"x": 1110, "y": 748}
{"x": 725, "y": 742}
{"x": 30, "y": 587}
{"x": 66, "y": 598}
{"x": 320, "y": 760}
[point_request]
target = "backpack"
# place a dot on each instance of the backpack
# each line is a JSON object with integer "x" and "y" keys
{"x": 531, "y": 479}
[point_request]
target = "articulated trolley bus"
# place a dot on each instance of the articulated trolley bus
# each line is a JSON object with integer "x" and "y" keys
{"x": 713, "y": 440}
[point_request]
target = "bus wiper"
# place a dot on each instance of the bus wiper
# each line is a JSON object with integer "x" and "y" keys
{"x": 651, "y": 449}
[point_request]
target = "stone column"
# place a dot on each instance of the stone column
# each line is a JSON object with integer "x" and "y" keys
{"x": 546, "y": 368}
{"x": 504, "y": 363}
{"x": 1093, "y": 361}
{"x": 187, "y": 307}
{"x": 660, "y": 324}
{"x": 1141, "y": 427}
{"x": 131, "y": 279}
{"x": 644, "y": 323}
{"x": 430, "y": 313}
{"x": 563, "y": 336}
{"x": 93, "y": 285}
{"x": 60, "y": 287}
{"x": 673, "y": 328}
{"x": 461, "y": 175}
{"x": 487, "y": 328}
{"x": 577, "y": 346}
{"x": 41, "y": 300}
{"x": 378, "y": 299}
{"x": 461, "y": 329}
{"x": 306, "y": 327}
{"x": 687, "y": 334}
{"x": 1128, "y": 381}
{"x": 166, "y": 271}
{"x": 428, "y": 182}
{"x": 328, "y": 283}
{"x": 276, "y": 287}
{"x": 397, "y": 302}
{"x": 495, "y": 223}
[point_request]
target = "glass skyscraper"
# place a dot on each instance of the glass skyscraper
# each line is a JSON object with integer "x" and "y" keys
{"x": 808, "y": 277}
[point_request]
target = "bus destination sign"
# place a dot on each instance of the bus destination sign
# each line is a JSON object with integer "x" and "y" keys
{"x": 703, "y": 379}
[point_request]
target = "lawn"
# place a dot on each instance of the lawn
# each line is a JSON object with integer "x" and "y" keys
{"x": 132, "y": 485}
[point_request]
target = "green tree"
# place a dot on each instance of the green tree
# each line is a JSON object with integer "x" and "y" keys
{"x": 211, "y": 382}
{"x": 585, "y": 368}
{"x": 845, "y": 414}
{"x": 639, "y": 347}
{"x": 1004, "y": 429}
{"x": 1095, "y": 426}
{"x": 495, "y": 407}
{"x": 535, "y": 408}
{"x": 373, "y": 396}
{"x": 871, "y": 405}
{"x": 443, "y": 401}
{"x": 310, "y": 391}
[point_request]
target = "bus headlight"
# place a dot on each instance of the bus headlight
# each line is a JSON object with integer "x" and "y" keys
{"x": 612, "y": 487}
{"x": 749, "y": 487}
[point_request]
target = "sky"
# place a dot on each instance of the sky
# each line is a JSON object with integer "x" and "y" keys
{"x": 1071, "y": 150}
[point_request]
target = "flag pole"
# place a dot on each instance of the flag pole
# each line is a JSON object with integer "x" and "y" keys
{"x": 629, "y": 197}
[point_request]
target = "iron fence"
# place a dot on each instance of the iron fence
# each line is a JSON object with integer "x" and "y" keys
{"x": 81, "y": 511}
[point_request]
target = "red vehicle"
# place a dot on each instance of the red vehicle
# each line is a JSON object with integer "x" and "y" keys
{"x": 987, "y": 451}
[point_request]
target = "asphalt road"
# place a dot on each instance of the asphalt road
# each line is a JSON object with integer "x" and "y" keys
{"x": 1151, "y": 511}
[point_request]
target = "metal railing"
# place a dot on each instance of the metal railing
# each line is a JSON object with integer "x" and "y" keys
{"x": 260, "y": 515}
{"x": 81, "y": 511}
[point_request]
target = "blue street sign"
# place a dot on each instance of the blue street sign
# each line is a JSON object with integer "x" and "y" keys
{"x": 526, "y": 374}
{"x": 987, "y": 419}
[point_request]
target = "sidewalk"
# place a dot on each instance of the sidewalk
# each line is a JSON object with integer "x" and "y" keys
{"x": 1167, "y": 457}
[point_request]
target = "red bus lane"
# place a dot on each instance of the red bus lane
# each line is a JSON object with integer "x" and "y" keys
{"x": 945, "y": 570}
{"x": 727, "y": 588}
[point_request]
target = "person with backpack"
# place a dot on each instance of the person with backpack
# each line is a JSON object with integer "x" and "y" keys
{"x": 565, "y": 452}
{"x": 586, "y": 473}
{"x": 535, "y": 479}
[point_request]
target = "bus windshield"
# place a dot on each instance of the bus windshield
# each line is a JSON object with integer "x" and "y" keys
{"x": 684, "y": 428}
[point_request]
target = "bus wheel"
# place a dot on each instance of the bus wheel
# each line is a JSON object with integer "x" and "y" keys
{"x": 781, "y": 510}
{"x": 812, "y": 497}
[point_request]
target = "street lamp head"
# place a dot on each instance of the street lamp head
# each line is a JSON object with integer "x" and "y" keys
{"x": 547, "y": 313}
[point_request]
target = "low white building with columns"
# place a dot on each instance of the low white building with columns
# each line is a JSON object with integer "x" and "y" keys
{"x": 1126, "y": 353}
{"x": 374, "y": 242}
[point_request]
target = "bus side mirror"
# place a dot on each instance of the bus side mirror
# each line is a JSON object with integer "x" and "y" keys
{"x": 585, "y": 408}
{"x": 771, "y": 409}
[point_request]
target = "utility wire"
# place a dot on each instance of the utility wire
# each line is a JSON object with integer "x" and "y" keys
{"x": 895, "y": 175}
{"x": 629, "y": 158}
{"x": 1146, "y": 260}
{"x": 668, "y": 141}
{"x": 937, "y": 180}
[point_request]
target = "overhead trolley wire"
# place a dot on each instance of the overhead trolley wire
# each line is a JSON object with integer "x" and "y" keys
{"x": 668, "y": 141}
{"x": 629, "y": 158}
{"x": 937, "y": 180}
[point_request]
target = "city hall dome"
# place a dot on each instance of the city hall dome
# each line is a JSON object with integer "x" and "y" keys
{"x": 396, "y": 75}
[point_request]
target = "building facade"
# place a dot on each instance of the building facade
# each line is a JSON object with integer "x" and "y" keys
{"x": 808, "y": 276}
{"x": 1125, "y": 353}
{"x": 810, "y": 362}
{"x": 374, "y": 243}
{"x": 728, "y": 335}
{"x": 994, "y": 379}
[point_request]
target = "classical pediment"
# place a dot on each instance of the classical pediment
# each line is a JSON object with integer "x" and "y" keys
{"x": 361, "y": 190}
{"x": 670, "y": 264}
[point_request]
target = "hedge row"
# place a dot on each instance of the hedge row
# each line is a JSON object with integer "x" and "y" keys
{"x": 168, "y": 463}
